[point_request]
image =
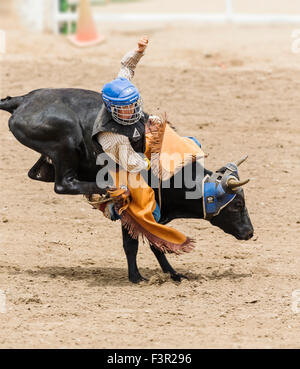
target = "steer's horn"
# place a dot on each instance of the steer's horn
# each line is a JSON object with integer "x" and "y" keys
{"x": 239, "y": 162}
{"x": 233, "y": 184}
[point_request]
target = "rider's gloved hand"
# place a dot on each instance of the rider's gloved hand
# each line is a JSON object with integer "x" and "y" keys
{"x": 142, "y": 44}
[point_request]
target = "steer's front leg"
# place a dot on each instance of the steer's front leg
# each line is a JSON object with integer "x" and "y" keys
{"x": 130, "y": 246}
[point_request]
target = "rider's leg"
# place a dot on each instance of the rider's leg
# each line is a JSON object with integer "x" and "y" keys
{"x": 130, "y": 246}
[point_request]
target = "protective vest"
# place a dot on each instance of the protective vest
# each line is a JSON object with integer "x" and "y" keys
{"x": 135, "y": 132}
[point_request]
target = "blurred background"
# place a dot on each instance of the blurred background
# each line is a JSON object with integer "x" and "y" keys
{"x": 182, "y": 33}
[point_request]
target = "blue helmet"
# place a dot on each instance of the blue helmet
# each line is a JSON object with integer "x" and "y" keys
{"x": 123, "y": 100}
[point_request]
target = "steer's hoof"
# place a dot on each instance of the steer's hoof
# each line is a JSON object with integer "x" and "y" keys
{"x": 137, "y": 279}
{"x": 177, "y": 277}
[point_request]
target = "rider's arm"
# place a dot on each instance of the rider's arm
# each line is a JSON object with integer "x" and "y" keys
{"x": 129, "y": 63}
{"x": 131, "y": 59}
{"x": 117, "y": 146}
{"x": 119, "y": 149}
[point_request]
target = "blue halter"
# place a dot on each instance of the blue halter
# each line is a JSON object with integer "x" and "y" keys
{"x": 216, "y": 194}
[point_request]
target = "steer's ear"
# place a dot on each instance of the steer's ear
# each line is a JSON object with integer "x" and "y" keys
{"x": 221, "y": 170}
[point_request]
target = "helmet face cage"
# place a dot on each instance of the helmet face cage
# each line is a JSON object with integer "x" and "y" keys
{"x": 126, "y": 114}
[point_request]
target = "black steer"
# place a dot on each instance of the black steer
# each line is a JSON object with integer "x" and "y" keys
{"x": 58, "y": 124}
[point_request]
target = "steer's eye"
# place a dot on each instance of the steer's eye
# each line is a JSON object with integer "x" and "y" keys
{"x": 238, "y": 205}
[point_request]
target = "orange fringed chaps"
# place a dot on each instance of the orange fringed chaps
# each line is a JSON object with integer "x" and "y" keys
{"x": 136, "y": 216}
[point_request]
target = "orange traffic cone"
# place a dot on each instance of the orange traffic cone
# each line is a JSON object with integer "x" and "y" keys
{"x": 86, "y": 34}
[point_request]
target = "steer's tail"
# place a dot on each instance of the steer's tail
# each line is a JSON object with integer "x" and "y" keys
{"x": 10, "y": 104}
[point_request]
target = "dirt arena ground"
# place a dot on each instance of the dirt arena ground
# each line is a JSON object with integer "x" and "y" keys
{"x": 62, "y": 267}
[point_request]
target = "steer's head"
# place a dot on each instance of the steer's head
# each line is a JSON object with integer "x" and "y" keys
{"x": 233, "y": 218}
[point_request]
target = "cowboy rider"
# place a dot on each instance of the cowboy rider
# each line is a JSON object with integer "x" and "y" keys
{"x": 120, "y": 125}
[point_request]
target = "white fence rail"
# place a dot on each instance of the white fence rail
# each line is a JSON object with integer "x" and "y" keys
{"x": 31, "y": 13}
{"x": 229, "y": 16}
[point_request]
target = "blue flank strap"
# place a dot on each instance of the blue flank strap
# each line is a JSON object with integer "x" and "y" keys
{"x": 156, "y": 214}
{"x": 195, "y": 140}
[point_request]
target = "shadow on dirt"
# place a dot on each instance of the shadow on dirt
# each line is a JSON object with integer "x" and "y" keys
{"x": 96, "y": 276}
{"x": 118, "y": 276}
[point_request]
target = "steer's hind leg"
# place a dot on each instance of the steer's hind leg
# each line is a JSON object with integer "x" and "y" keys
{"x": 42, "y": 170}
{"x": 130, "y": 246}
{"x": 56, "y": 134}
{"x": 165, "y": 265}
{"x": 66, "y": 162}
